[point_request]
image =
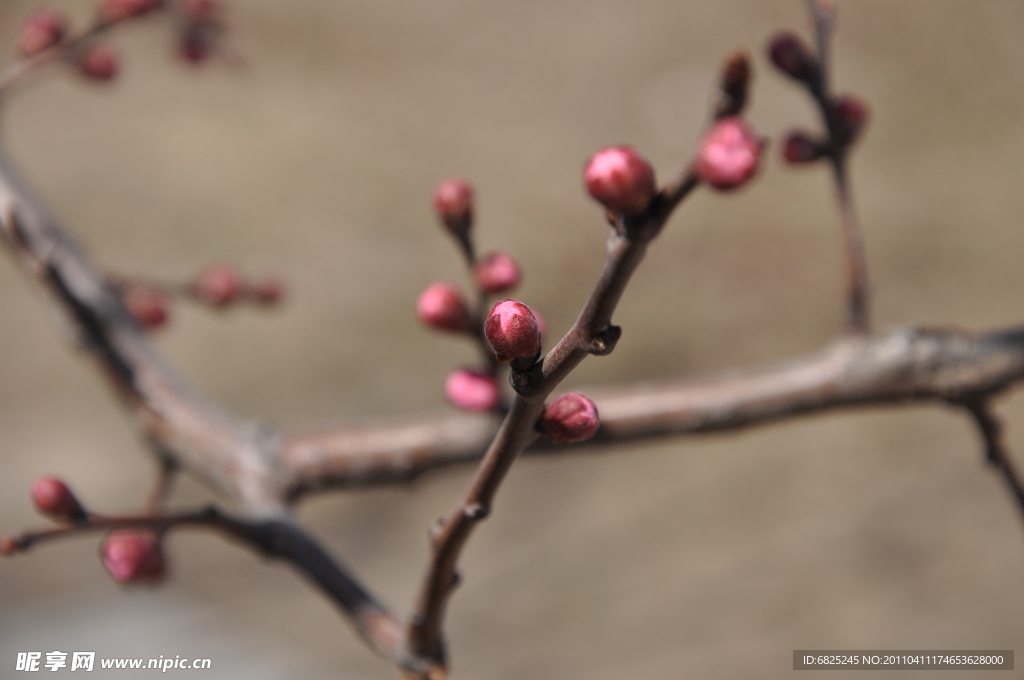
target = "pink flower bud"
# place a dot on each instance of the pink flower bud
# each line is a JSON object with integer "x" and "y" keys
{"x": 801, "y": 148}
{"x": 570, "y": 418}
{"x": 496, "y": 273}
{"x": 512, "y": 330}
{"x": 99, "y": 62}
{"x": 729, "y": 154}
{"x": 8, "y": 546}
{"x": 147, "y": 305}
{"x": 133, "y": 555}
{"x": 453, "y": 203}
{"x": 113, "y": 11}
{"x": 471, "y": 390}
{"x": 53, "y": 498}
{"x": 851, "y": 116}
{"x": 44, "y": 28}
{"x": 218, "y": 286}
{"x": 621, "y": 179}
{"x": 791, "y": 56}
{"x": 267, "y": 290}
{"x": 442, "y": 306}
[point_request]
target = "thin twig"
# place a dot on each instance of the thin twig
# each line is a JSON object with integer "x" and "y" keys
{"x": 991, "y": 430}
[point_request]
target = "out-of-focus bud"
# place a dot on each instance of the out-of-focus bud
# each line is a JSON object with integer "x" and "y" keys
{"x": 200, "y": 10}
{"x": 471, "y": 390}
{"x": 442, "y": 306}
{"x": 621, "y": 179}
{"x": 851, "y": 117}
{"x": 194, "y": 44}
{"x": 113, "y": 11}
{"x": 219, "y": 285}
{"x": 802, "y": 148}
{"x": 133, "y": 556}
{"x": 453, "y": 203}
{"x": 570, "y": 418}
{"x": 512, "y": 330}
{"x": 147, "y": 305}
{"x": 267, "y": 290}
{"x": 44, "y": 28}
{"x": 99, "y": 62}
{"x": 729, "y": 154}
{"x": 496, "y": 273}
{"x": 791, "y": 56}
{"x": 53, "y": 498}
{"x": 733, "y": 84}
{"x": 8, "y": 546}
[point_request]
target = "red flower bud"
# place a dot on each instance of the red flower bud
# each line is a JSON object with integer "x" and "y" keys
{"x": 729, "y": 154}
{"x": 147, "y": 305}
{"x": 53, "y": 498}
{"x": 442, "y": 306}
{"x": 218, "y": 286}
{"x": 496, "y": 273}
{"x": 113, "y": 11}
{"x": 194, "y": 44}
{"x": 8, "y": 546}
{"x": 133, "y": 555}
{"x": 99, "y": 62}
{"x": 471, "y": 390}
{"x": 851, "y": 116}
{"x": 801, "y": 148}
{"x": 570, "y": 418}
{"x": 44, "y": 28}
{"x": 791, "y": 56}
{"x": 268, "y": 290}
{"x": 621, "y": 179}
{"x": 512, "y": 330}
{"x": 453, "y": 203}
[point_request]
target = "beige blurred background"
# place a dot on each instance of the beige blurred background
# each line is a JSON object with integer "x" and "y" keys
{"x": 314, "y": 155}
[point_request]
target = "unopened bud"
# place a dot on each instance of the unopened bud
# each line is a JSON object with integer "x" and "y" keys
{"x": 44, "y": 28}
{"x": 8, "y": 546}
{"x": 219, "y": 285}
{"x": 729, "y": 154}
{"x": 496, "y": 273}
{"x": 802, "y": 148}
{"x": 791, "y": 56}
{"x": 113, "y": 11}
{"x": 570, "y": 418}
{"x": 472, "y": 390}
{"x": 453, "y": 203}
{"x": 267, "y": 290}
{"x": 851, "y": 117}
{"x": 621, "y": 179}
{"x": 194, "y": 44}
{"x": 99, "y": 62}
{"x": 53, "y": 498}
{"x": 133, "y": 555}
{"x": 512, "y": 330}
{"x": 147, "y": 305}
{"x": 442, "y": 306}
{"x": 733, "y": 84}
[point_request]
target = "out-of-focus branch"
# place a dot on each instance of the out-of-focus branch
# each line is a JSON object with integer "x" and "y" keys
{"x": 901, "y": 367}
{"x": 996, "y": 454}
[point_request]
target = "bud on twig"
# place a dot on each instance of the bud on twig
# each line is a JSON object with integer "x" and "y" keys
{"x": 147, "y": 305}
{"x": 496, "y": 273}
{"x": 442, "y": 306}
{"x": 53, "y": 498}
{"x": 729, "y": 154}
{"x": 512, "y": 330}
{"x": 733, "y": 84}
{"x": 570, "y": 418}
{"x": 99, "y": 62}
{"x": 791, "y": 56}
{"x": 219, "y": 285}
{"x": 267, "y": 290}
{"x": 472, "y": 390}
{"x": 453, "y": 203}
{"x": 851, "y": 115}
{"x": 802, "y": 148}
{"x": 621, "y": 179}
{"x": 133, "y": 555}
{"x": 44, "y": 28}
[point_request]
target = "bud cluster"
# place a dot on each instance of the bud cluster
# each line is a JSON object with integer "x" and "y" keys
{"x": 220, "y": 285}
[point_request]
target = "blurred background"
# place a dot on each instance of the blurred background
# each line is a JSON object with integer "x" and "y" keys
{"x": 314, "y": 153}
